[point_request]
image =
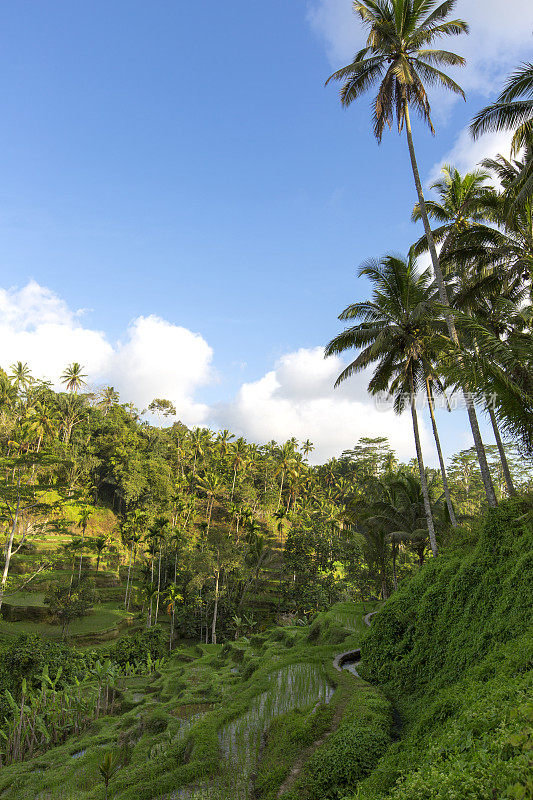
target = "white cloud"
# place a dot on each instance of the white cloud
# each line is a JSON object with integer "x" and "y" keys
{"x": 163, "y": 360}
{"x": 297, "y": 398}
{"x": 500, "y": 35}
{"x": 155, "y": 359}
{"x": 467, "y": 152}
{"x": 159, "y": 359}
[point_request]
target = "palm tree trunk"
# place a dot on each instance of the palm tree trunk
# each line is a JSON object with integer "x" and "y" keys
{"x": 423, "y": 482}
{"x": 445, "y": 484}
{"x": 128, "y": 581}
{"x": 81, "y": 553}
{"x": 171, "y": 629}
{"x": 443, "y": 294}
{"x": 394, "y": 576}
{"x": 215, "y": 611}
{"x": 158, "y": 587}
{"x": 503, "y": 458}
{"x": 233, "y": 484}
{"x": 280, "y": 489}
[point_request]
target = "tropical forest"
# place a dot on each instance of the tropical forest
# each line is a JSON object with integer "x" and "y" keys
{"x": 188, "y": 611}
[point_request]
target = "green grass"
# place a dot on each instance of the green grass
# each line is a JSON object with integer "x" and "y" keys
{"x": 200, "y": 724}
{"x": 24, "y": 599}
{"x": 103, "y": 617}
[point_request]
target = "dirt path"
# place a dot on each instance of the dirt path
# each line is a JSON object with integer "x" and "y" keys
{"x": 339, "y": 711}
{"x": 308, "y": 752}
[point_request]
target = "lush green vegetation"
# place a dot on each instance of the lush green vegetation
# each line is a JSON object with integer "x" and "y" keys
{"x": 454, "y": 649}
{"x": 172, "y": 599}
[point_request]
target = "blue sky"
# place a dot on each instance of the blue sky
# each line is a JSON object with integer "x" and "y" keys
{"x": 184, "y": 164}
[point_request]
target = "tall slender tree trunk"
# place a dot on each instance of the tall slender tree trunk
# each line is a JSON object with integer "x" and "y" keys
{"x": 280, "y": 489}
{"x": 503, "y": 458}
{"x": 171, "y": 629}
{"x": 81, "y": 554}
{"x": 233, "y": 484}
{"x": 443, "y": 294}
{"x": 445, "y": 484}
{"x": 158, "y": 587}
{"x": 8, "y": 553}
{"x": 423, "y": 482}
{"x": 128, "y": 580}
{"x": 215, "y": 611}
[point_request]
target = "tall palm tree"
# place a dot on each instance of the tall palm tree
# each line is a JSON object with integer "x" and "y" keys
{"x": 397, "y": 55}
{"x": 462, "y": 201}
{"x": 84, "y": 516}
{"x": 463, "y": 205}
{"x": 506, "y": 242}
{"x": 108, "y": 398}
{"x": 173, "y": 597}
{"x": 513, "y": 109}
{"x": 100, "y": 544}
{"x": 158, "y": 534}
{"x": 285, "y": 466}
{"x": 73, "y": 377}
{"x": 390, "y": 337}
{"x": 307, "y": 447}
{"x": 21, "y": 376}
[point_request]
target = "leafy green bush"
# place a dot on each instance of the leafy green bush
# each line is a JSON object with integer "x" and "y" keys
{"x": 454, "y": 648}
{"x": 351, "y": 751}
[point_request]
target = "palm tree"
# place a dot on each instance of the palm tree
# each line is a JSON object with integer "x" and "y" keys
{"x": 513, "y": 109}
{"x": 73, "y": 377}
{"x": 391, "y": 336}
{"x": 84, "y": 516}
{"x": 132, "y": 531}
{"x": 158, "y": 533}
{"x": 173, "y": 596}
{"x": 100, "y": 545}
{"x": 108, "y": 398}
{"x": 212, "y": 486}
{"x": 462, "y": 201}
{"x": 487, "y": 267}
{"x": 285, "y": 466}
{"x": 281, "y": 516}
{"x": 397, "y": 55}
{"x": 21, "y": 376}
{"x": 239, "y": 454}
{"x": 431, "y": 382}
{"x": 307, "y": 447}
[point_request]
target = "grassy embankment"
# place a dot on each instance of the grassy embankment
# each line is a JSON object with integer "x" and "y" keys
{"x": 454, "y": 649}
{"x": 25, "y": 612}
{"x": 214, "y": 713}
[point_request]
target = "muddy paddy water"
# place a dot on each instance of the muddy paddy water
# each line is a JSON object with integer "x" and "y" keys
{"x": 298, "y": 686}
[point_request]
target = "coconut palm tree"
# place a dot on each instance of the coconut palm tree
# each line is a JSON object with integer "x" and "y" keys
{"x": 20, "y": 376}
{"x": 108, "y": 398}
{"x": 100, "y": 545}
{"x": 307, "y": 447}
{"x": 84, "y": 516}
{"x": 462, "y": 201}
{"x": 158, "y": 534}
{"x": 173, "y": 597}
{"x": 397, "y": 55}
{"x": 513, "y": 110}
{"x": 73, "y": 377}
{"x": 463, "y": 205}
{"x": 391, "y": 337}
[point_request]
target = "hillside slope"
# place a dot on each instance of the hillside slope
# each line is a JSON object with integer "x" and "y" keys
{"x": 454, "y": 649}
